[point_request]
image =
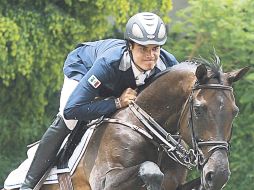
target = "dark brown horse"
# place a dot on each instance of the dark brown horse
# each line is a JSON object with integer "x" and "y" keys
{"x": 194, "y": 102}
{"x": 120, "y": 158}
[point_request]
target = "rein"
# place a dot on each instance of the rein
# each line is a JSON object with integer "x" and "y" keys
{"x": 191, "y": 157}
{"x": 172, "y": 147}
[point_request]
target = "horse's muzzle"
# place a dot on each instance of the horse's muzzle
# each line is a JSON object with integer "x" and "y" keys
{"x": 216, "y": 172}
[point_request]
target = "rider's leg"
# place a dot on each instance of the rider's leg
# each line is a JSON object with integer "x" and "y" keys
{"x": 46, "y": 153}
{"x": 51, "y": 140}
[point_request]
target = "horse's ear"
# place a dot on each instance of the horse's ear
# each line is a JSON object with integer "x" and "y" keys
{"x": 236, "y": 75}
{"x": 201, "y": 73}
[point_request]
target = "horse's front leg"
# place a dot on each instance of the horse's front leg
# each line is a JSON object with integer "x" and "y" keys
{"x": 121, "y": 163}
{"x": 151, "y": 175}
{"x": 122, "y": 178}
{"x": 144, "y": 176}
{"x": 191, "y": 185}
{"x": 174, "y": 175}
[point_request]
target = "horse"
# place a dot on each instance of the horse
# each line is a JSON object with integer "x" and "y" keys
{"x": 192, "y": 105}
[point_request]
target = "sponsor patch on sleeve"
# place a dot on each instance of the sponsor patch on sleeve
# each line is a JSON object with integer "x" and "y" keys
{"x": 94, "y": 81}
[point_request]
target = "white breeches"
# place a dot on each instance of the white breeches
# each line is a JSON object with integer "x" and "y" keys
{"x": 68, "y": 86}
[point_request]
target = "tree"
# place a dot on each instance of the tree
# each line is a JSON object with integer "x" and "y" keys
{"x": 228, "y": 27}
{"x": 35, "y": 37}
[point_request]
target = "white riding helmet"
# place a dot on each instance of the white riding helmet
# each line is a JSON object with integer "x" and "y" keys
{"x": 146, "y": 28}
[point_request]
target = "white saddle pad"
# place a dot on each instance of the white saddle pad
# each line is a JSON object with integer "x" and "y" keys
{"x": 17, "y": 176}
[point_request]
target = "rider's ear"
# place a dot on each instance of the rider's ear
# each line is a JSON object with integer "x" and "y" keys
{"x": 201, "y": 73}
{"x": 236, "y": 75}
{"x": 131, "y": 45}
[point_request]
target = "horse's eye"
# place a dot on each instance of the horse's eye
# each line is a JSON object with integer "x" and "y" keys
{"x": 198, "y": 109}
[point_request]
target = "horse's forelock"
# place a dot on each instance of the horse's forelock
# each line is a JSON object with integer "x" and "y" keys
{"x": 213, "y": 65}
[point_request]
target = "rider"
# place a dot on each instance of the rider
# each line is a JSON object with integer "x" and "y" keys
{"x": 111, "y": 68}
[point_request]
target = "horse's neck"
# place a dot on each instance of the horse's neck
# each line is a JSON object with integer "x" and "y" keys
{"x": 164, "y": 98}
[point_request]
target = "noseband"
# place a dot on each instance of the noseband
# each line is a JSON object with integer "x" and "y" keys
{"x": 197, "y": 144}
{"x": 193, "y": 157}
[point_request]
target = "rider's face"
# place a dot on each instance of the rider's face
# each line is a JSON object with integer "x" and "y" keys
{"x": 145, "y": 56}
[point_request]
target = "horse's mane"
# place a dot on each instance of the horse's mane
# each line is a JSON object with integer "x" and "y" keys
{"x": 213, "y": 65}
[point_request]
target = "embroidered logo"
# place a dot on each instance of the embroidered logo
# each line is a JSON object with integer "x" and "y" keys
{"x": 94, "y": 81}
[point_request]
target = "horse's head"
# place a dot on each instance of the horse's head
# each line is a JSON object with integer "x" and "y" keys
{"x": 208, "y": 118}
{"x": 202, "y": 97}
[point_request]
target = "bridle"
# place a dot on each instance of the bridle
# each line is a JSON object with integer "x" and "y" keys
{"x": 197, "y": 144}
{"x": 194, "y": 156}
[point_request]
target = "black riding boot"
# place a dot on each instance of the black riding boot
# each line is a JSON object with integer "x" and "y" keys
{"x": 46, "y": 153}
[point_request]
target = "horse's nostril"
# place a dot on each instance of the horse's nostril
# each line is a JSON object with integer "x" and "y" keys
{"x": 209, "y": 176}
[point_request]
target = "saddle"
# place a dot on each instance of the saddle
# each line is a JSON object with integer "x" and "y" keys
{"x": 71, "y": 144}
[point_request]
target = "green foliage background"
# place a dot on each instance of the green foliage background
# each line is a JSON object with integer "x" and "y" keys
{"x": 227, "y": 26}
{"x": 36, "y": 36}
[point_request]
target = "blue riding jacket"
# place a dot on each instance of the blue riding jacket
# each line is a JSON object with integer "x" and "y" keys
{"x": 103, "y": 69}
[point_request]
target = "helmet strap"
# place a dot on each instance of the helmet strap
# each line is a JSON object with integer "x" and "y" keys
{"x": 131, "y": 56}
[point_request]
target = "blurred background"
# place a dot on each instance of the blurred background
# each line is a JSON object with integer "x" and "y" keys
{"x": 37, "y": 35}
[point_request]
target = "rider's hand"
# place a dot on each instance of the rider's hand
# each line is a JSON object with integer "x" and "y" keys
{"x": 127, "y": 96}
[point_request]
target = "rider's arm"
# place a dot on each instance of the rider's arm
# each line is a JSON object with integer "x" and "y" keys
{"x": 82, "y": 104}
